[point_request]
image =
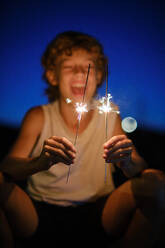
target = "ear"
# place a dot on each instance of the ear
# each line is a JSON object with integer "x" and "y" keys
{"x": 51, "y": 77}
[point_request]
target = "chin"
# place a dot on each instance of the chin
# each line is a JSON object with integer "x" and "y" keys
{"x": 77, "y": 98}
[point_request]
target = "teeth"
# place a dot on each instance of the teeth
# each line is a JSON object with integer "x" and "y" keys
{"x": 78, "y": 86}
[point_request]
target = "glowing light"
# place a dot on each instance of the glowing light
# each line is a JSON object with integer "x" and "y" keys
{"x": 68, "y": 100}
{"x": 80, "y": 109}
{"x": 129, "y": 124}
{"x": 106, "y": 105}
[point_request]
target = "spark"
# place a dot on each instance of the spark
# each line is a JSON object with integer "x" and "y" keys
{"x": 105, "y": 105}
{"x": 68, "y": 100}
{"x": 80, "y": 109}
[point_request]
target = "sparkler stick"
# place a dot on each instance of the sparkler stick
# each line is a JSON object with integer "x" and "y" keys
{"x": 106, "y": 107}
{"x": 80, "y": 108}
{"x": 81, "y": 105}
{"x": 106, "y": 119}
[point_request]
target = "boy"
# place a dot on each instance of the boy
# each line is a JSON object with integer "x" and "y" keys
{"x": 86, "y": 207}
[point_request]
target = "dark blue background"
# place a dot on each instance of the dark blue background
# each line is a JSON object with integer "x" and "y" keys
{"x": 132, "y": 33}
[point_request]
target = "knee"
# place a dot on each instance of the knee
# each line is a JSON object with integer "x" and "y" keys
{"x": 4, "y": 178}
{"x": 5, "y": 189}
{"x": 157, "y": 174}
{"x": 149, "y": 189}
{"x": 156, "y": 181}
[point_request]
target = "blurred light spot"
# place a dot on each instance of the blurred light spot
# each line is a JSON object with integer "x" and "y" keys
{"x": 129, "y": 124}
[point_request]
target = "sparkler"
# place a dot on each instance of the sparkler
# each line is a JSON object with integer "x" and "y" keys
{"x": 80, "y": 109}
{"x": 106, "y": 107}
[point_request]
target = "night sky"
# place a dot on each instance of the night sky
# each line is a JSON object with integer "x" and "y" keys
{"x": 133, "y": 36}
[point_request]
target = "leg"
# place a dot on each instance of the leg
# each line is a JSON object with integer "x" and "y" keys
{"x": 6, "y": 237}
{"x": 17, "y": 209}
{"x": 135, "y": 212}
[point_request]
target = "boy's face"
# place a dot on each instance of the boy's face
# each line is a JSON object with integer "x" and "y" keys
{"x": 72, "y": 74}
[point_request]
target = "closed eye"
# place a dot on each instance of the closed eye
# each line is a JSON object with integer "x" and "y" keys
{"x": 67, "y": 67}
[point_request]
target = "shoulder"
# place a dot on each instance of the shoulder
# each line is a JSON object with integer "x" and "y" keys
{"x": 33, "y": 120}
{"x": 34, "y": 114}
{"x": 30, "y": 129}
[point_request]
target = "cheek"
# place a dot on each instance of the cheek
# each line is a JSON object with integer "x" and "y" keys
{"x": 92, "y": 85}
{"x": 62, "y": 80}
{"x": 64, "y": 85}
{"x": 94, "y": 80}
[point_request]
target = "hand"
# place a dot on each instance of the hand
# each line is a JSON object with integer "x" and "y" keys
{"x": 118, "y": 149}
{"x": 58, "y": 149}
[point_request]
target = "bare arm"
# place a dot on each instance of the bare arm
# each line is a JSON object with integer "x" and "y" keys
{"x": 19, "y": 165}
{"x": 15, "y": 163}
{"x": 120, "y": 150}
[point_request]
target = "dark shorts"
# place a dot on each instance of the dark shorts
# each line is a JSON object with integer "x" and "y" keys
{"x": 71, "y": 223}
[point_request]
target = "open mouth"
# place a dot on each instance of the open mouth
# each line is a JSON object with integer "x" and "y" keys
{"x": 78, "y": 90}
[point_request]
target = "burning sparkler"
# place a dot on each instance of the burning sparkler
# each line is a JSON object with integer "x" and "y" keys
{"x": 105, "y": 106}
{"x": 80, "y": 109}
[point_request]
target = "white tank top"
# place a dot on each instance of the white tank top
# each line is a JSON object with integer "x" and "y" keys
{"x": 87, "y": 175}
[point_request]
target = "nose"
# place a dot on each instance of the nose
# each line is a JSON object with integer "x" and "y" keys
{"x": 79, "y": 70}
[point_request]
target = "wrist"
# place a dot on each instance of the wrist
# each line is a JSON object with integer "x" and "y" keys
{"x": 43, "y": 163}
{"x": 127, "y": 168}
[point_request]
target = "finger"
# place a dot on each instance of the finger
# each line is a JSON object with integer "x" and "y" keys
{"x": 57, "y": 153}
{"x": 117, "y": 153}
{"x": 65, "y": 142}
{"x": 57, "y": 159}
{"x": 118, "y": 158}
{"x": 56, "y": 144}
{"x": 125, "y": 145}
{"x": 112, "y": 141}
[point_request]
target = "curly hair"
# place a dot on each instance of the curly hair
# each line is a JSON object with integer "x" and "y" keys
{"x": 66, "y": 42}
